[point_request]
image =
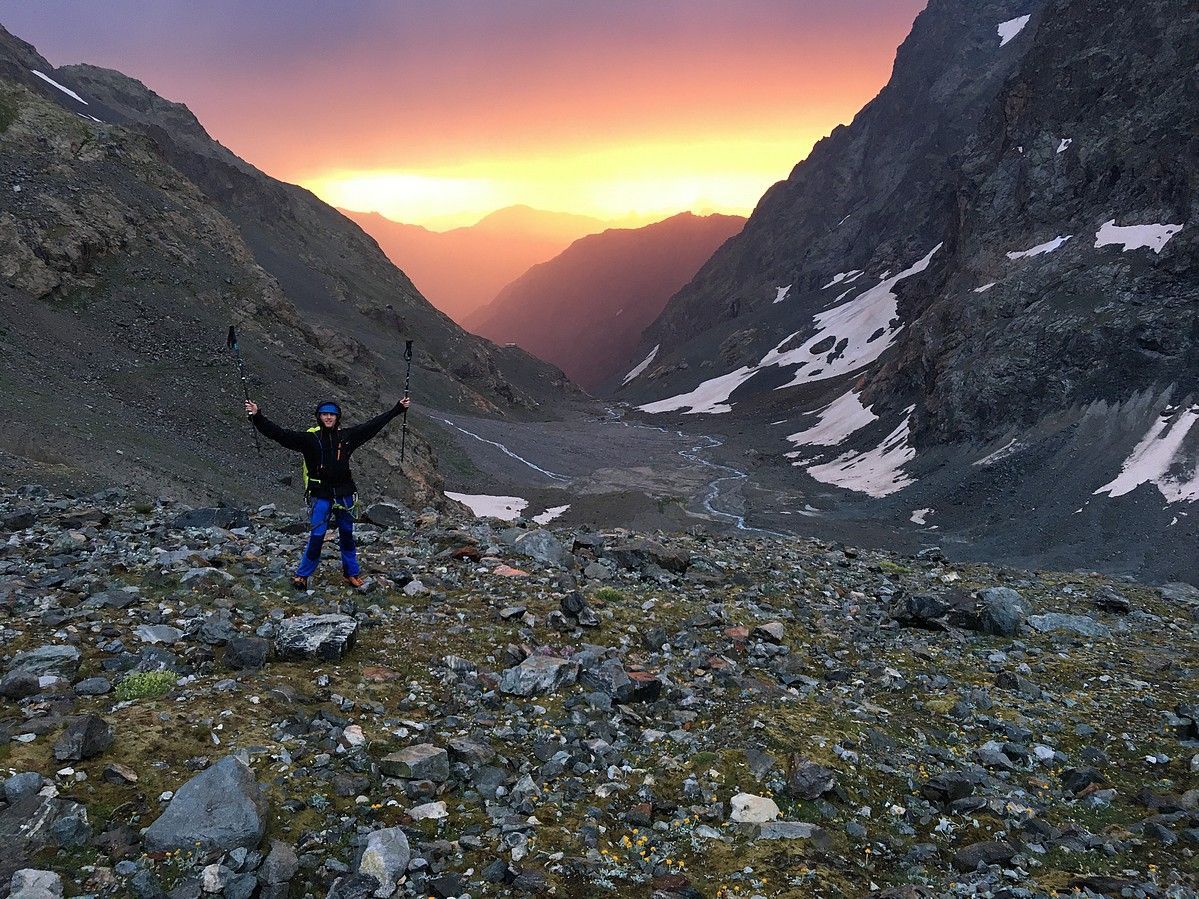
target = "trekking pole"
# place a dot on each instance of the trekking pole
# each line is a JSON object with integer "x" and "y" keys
{"x": 407, "y": 386}
{"x": 231, "y": 343}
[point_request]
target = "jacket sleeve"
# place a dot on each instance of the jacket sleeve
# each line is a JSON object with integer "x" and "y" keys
{"x": 360, "y": 434}
{"x": 293, "y": 440}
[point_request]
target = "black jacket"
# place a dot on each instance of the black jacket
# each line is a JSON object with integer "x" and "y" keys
{"x": 327, "y": 451}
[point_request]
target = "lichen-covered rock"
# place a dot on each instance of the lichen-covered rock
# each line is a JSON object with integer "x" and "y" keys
{"x": 222, "y": 808}
{"x": 539, "y": 674}
{"x": 327, "y": 637}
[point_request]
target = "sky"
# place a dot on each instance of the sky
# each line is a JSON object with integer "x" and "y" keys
{"x": 437, "y": 112}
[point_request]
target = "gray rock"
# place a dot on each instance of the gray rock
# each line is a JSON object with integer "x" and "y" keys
{"x": 353, "y": 886}
{"x": 246, "y": 653}
{"x": 987, "y": 852}
{"x": 93, "y": 686}
{"x": 158, "y": 633}
{"x": 1001, "y": 611}
{"x": 539, "y": 674}
{"x": 19, "y": 684}
{"x": 807, "y": 780}
{"x": 83, "y": 738}
{"x": 281, "y": 864}
{"x": 30, "y": 883}
{"x": 788, "y": 830}
{"x": 62, "y": 661}
{"x": 639, "y": 553}
{"x": 540, "y": 545}
{"x": 1078, "y": 624}
{"x": 1179, "y": 592}
{"x": 746, "y": 808}
{"x": 421, "y": 762}
{"x": 221, "y": 808}
{"x": 326, "y": 637}
{"x": 211, "y": 518}
{"x": 385, "y": 858}
{"x": 387, "y": 515}
{"x": 771, "y": 632}
{"x": 22, "y": 785}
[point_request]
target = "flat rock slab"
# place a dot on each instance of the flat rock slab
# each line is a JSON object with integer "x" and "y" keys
{"x": 746, "y": 808}
{"x": 83, "y": 738}
{"x": 326, "y": 637}
{"x": 789, "y": 830}
{"x": 539, "y": 674}
{"x": 638, "y": 553}
{"x": 1078, "y": 624}
{"x": 60, "y": 660}
{"x": 421, "y": 762}
{"x": 220, "y": 808}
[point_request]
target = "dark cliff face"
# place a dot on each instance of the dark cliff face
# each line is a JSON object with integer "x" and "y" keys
{"x": 1098, "y": 125}
{"x": 875, "y": 193}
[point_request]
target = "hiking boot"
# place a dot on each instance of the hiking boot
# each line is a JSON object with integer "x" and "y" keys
{"x": 299, "y": 583}
{"x": 354, "y": 580}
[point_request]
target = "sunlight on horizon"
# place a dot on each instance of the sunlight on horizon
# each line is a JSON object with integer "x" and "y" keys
{"x": 634, "y": 184}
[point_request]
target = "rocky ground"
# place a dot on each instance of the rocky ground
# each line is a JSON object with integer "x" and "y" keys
{"x": 518, "y": 711}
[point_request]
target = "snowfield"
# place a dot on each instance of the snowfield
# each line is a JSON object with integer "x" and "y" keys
{"x": 840, "y": 418}
{"x": 1012, "y": 27}
{"x": 505, "y": 508}
{"x": 877, "y": 472}
{"x": 1040, "y": 249}
{"x": 1159, "y": 452}
{"x": 1133, "y": 237}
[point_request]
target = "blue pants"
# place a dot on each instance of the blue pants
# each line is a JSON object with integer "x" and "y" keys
{"x": 324, "y": 510}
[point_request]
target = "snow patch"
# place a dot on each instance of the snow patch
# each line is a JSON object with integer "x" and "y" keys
{"x": 919, "y": 515}
{"x": 550, "y": 514}
{"x": 66, "y": 90}
{"x": 840, "y": 418}
{"x": 862, "y": 329}
{"x": 1133, "y": 237}
{"x": 780, "y": 293}
{"x": 985, "y": 287}
{"x": 641, "y": 366}
{"x": 877, "y": 472}
{"x": 1040, "y": 249}
{"x": 1003, "y": 452}
{"x": 1150, "y": 462}
{"x": 709, "y": 397}
{"x": 843, "y": 276}
{"x": 505, "y": 508}
{"x": 1065, "y": 144}
{"x": 1012, "y": 27}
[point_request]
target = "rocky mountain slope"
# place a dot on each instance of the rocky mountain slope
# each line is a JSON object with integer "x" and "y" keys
{"x": 584, "y": 310}
{"x": 462, "y": 269}
{"x": 974, "y": 307}
{"x": 507, "y": 710}
{"x": 130, "y": 240}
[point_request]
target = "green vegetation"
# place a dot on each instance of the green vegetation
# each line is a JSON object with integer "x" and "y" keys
{"x": 8, "y": 111}
{"x": 608, "y": 595}
{"x": 145, "y": 684}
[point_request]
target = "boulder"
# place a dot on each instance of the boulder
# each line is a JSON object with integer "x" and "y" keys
{"x": 326, "y": 637}
{"x": 83, "y": 738}
{"x": 220, "y": 808}
{"x": 281, "y": 864}
{"x": 1077, "y": 624}
{"x": 1001, "y": 611}
{"x": 30, "y": 883}
{"x": 807, "y": 780}
{"x": 211, "y": 518}
{"x": 540, "y": 545}
{"x": 246, "y": 653}
{"x": 385, "y": 858}
{"x": 746, "y": 808}
{"x": 987, "y": 852}
{"x": 639, "y": 553}
{"x": 62, "y": 661}
{"x": 421, "y": 762}
{"x": 539, "y": 674}
{"x": 387, "y": 515}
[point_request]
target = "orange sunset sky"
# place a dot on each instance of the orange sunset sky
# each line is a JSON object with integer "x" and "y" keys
{"x": 438, "y": 113}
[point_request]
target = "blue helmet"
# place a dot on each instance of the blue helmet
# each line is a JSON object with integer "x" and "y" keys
{"x": 329, "y": 407}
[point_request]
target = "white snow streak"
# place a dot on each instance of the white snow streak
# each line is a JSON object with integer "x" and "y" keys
{"x": 1012, "y": 27}
{"x": 709, "y": 397}
{"x": 840, "y": 418}
{"x": 550, "y": 514}
{"x": 505, "y": 508}
{"x": 1002, "y": 453}
{"x": 919, "y": 515}
{"x": 877, "y": 472}
{"x": 843, "y": 276}
{"x": 861, "y": 329}
{"x": 985, "y": 287}
{"x": 66, "y": 90}
{"x": 1041, "y": 248}
{"x": 1133, "y": 237}
{"x": 1151, "y": 460}
{"x": 1065, "y": 144}
{"x": 641, "y": 366}
{"x": 780, "y": 293}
